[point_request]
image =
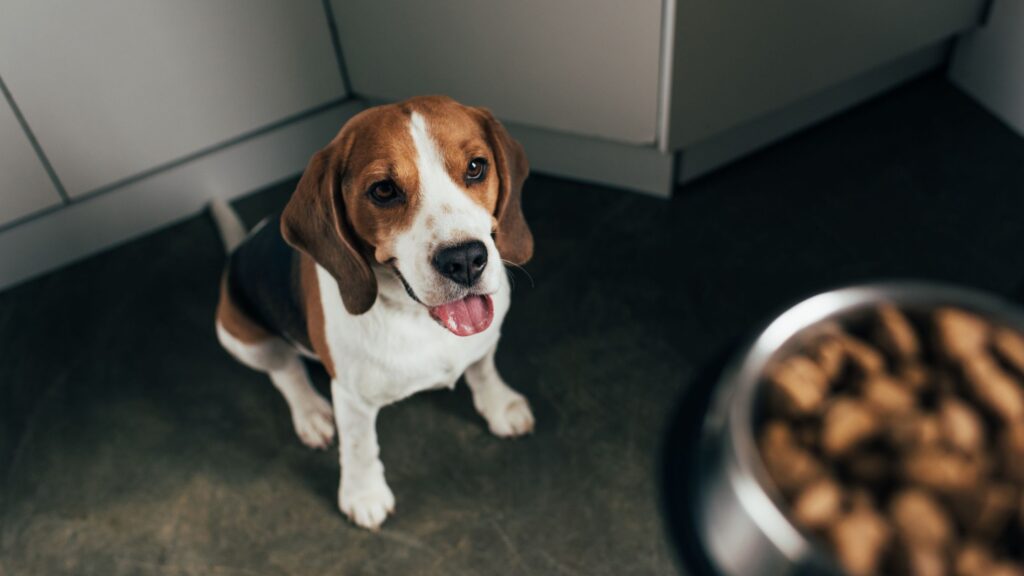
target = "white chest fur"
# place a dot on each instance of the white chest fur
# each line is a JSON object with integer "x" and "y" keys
{"x": 395, "y": 349}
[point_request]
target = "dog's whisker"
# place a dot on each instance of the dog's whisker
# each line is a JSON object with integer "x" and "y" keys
{"x": 507, "y": 263}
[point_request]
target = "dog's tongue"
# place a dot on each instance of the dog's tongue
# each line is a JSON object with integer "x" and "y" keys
{"x": 471, "y": 315}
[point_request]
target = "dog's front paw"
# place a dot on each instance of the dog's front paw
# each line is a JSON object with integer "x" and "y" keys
{"x": 513, "y": 418}
{"x": 314, "y": 421}
{"x": 367, "y": 505}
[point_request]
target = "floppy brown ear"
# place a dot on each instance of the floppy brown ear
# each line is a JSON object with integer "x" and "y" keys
{"x": 314, "y": 222}
{"x": 512, "y": 237}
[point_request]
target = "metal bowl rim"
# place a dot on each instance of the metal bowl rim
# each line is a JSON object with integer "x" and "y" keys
{"x": 738, "y": 385}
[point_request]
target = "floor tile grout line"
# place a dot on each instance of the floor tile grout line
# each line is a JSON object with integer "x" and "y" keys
{"x": 47, "y": 166}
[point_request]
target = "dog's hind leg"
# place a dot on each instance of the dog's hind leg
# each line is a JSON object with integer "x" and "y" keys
{"x": 312, "y": 414}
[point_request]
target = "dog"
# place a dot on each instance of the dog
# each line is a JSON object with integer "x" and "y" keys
{"x": 387, "y": 266}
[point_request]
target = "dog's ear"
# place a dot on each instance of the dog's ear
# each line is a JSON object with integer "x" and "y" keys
{"x": 512, "y": 237}
{"x": 314, "y": 222}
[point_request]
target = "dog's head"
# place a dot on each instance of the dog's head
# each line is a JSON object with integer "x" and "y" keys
{"x": 427, "y": 188}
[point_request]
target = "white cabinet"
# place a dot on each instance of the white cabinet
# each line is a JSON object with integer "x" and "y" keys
{"x": 586, "y": 67}
{"x": 24, "y": 185}
{"x": 738, "y": 60}
{"x": 113, "y": 88}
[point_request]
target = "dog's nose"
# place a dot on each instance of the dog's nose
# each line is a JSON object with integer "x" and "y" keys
{"x": 462, "y": 263}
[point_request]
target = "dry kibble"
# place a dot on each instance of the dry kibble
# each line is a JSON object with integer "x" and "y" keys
{"x": 1009, "y": 345}
{"x": 993, "y": 388}
{"x": 972, "y": 559}
{"x": 887, "y": 396}
{"x": 791, "y": 466}
{"x": 799, "y": 385}
{"x": 862, "y": 355}
{"x": 846, "y": 424}
{"x": 925, "y": 426}
{"x": 987, "y": 511}
{"x": 960, "y": 335}
{"x": 962, "y": 427}
{"x": 914, "y": 430}
{"x": 941, "y": 470}
{"x": 1011, "y": 447}
{"x": 895, "y": 335}
{"x": 922, "y": 561}
{"x": 859, "y": 540}
{"x": 914, "y": 376}
{"x": 818, "y": 505}
{"x": 920, "y": 520}
{"x": 830, "y": 354}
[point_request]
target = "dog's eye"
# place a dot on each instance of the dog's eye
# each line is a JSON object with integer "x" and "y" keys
{"x": 385, "y": 193}
{"x": 476, "y": 170}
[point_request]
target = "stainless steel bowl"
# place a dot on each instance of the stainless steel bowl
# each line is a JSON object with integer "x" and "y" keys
{"x": 740, "y": 518}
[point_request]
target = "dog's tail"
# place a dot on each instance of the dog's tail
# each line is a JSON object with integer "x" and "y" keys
{"x": 232, "y": 231}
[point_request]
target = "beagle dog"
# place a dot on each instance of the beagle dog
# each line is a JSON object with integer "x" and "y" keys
{"x": 387, "y": 266}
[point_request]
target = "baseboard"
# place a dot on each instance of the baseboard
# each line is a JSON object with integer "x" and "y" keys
{"x": 643, "y": 169}
{"x": 707, "y": 155}
{"x": 118, "y": 215}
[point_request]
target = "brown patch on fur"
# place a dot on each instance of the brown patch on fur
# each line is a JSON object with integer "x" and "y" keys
{"x": 332, "y": 218}
{"x": 314, "y": 310}
{"x": 460, "y": 137}
{"x": 235, "y": 321}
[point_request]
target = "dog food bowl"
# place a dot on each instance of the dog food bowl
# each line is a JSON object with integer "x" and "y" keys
{"x": 723, "y": 510}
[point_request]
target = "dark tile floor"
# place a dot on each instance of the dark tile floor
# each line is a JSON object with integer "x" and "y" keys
{"x": 131, "y": 444}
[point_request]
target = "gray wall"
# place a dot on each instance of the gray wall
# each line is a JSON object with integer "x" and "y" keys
{"x": 989, "y": 63}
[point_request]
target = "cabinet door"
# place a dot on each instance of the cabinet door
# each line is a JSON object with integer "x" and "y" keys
{"x": 112, "y": 88}
{"x": 581, "y": 66}
{"x": 736, "y": 60}
{"x": 24, "y": 185}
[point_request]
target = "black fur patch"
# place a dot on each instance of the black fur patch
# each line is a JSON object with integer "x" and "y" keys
{"x": 263, "y": 280}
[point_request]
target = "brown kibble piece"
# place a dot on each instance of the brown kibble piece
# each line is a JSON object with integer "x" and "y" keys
{"x": 887, "y": 396}
{"x": 1011, "y": 446}
{"x": 993, "y": 388}
{"x": 972, "y": 559}
{"x": 895, "y": 334}
{"x": 920, "y": 520}
{"x": 798, "y": 385}
{"x": 846, "y": 424}
{"x": 862, "y": 355}
{"x": 914, "y": 376}
{"x": 818, "y": 505}
{"x": 776, "y": 433}
{"x": 789, "y": 465}
{"x": 986, "y": 512}
{"x": 960, "y": 335}
{"x": 830, "y": 354}
{"x": 913, "y": 431}
{"x": 962, "y": 427}
{"x": 940, "y": 470}
{"x": 1009, "y": 345}
{"x": 922, "y": 561}
{"x": 859, "y": 539}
